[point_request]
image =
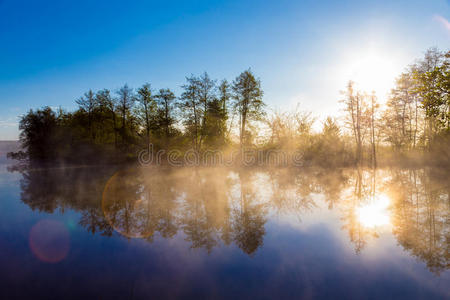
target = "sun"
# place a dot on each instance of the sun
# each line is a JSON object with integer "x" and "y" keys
{"x": 373, "y": 73}
{"x": 372, "y": 70}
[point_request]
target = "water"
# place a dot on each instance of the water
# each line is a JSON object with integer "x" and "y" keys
{"x": 218, "y": 233}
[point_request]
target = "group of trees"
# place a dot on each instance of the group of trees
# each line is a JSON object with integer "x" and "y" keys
{"x": 208, "y": 114}
{"x": 361, "y": 111}
{"x": 419, "y": 106}
{"x": 417, "y": 112}
{"x": 108, "y": 127}
{"x": 414, "y": 122}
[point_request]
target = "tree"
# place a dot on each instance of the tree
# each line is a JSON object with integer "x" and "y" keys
{"x": 206, "y": 94}
{"x": 224, "y": 94}
{"x": 425, "y": 89}
{"x": 353, "y": 102}
{"x": 331, "y": 149}
{"x": 224, "y": 98}
{"x": 216, "y": 127}
{"x": 247, "y": 94}
{"x": 165, "y": 99}
{"x": 192, "y": 110}
{"x": 205, "y": 110}
{"x": 38, "y": 135}
{"x": 110, "y": 105}
{"x": 330, "y": 128}
{"x": 88, "y": 103}
{"x": 372, "y": 112}
{"x": 125, "y": 102}
{"x": 146, "y": 109}
{"x": 434, "y": 88}
{"x": 401, "y": 118}
{"x": 290, "y": 130}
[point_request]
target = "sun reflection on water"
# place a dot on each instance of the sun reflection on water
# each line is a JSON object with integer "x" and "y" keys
{"x": 375, "y": 213}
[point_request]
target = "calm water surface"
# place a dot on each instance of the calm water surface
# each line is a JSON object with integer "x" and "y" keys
{"x": 218, "y": 233}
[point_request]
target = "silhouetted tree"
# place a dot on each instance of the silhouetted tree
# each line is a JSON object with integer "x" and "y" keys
{"x": 146, "y": 110}
{"x": 88, "y": 103}
{"x": 192, "y": 110}
{"x": 247, "y": 94}
{"x": 39, "y": 135}
{"x": 165, "y": 99}
{"x": 124, "y": 103}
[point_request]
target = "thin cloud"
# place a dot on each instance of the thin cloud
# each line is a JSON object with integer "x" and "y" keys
{"x": 443, "y": 21}
{"x": 9, "y": 124}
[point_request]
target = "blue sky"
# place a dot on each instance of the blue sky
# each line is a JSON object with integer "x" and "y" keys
{"x": 304, "y": 52}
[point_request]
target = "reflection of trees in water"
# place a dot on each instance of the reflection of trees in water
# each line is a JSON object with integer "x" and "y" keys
{"x": 201, "y": 207}
{"x": 213, "y": 206}
{"x": 419, "y": 211}
{"x": 421, "y": 215}
{"x": 361, "y": 191}
{"x": 249, "y": 216}
{"x": 293, "y": 191}
{"x": 124, "y": 205}
{"x": 78, "y": 189}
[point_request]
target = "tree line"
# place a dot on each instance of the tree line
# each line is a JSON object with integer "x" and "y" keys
{"x": 112, "y": 126}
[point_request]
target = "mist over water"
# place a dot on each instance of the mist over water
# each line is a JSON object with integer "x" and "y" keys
{"x": 225, "y": 232}
{"x": 225, "y": 150}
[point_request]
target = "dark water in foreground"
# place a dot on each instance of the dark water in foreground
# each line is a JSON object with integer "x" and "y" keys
{"x": 221, "y": 233}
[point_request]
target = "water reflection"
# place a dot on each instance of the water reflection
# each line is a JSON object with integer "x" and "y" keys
{"x": 213, "y": 207}
{"x": 421, "y": 214}
{"x": 208, "y": 205}
{"x": 375, "y": 213}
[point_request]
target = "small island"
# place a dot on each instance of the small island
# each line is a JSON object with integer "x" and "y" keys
{"x": 413, "y": 127}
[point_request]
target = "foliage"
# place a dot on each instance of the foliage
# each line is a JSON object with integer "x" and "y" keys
{"x": 247, "y": 95}
{"x": 112, "y": 129}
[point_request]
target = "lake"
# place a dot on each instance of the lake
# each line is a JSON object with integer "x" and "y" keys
{"x": 220, "y": 233}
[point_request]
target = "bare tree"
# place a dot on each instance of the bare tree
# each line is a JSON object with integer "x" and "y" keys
{"x": 353, "y": 101}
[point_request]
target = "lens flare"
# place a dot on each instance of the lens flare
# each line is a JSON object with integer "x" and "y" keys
{"x": 49, "y": 241}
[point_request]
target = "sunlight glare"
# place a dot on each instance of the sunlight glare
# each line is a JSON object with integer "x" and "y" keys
{"x": 375, "y": 214}
{"x": 372, "y": 70}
